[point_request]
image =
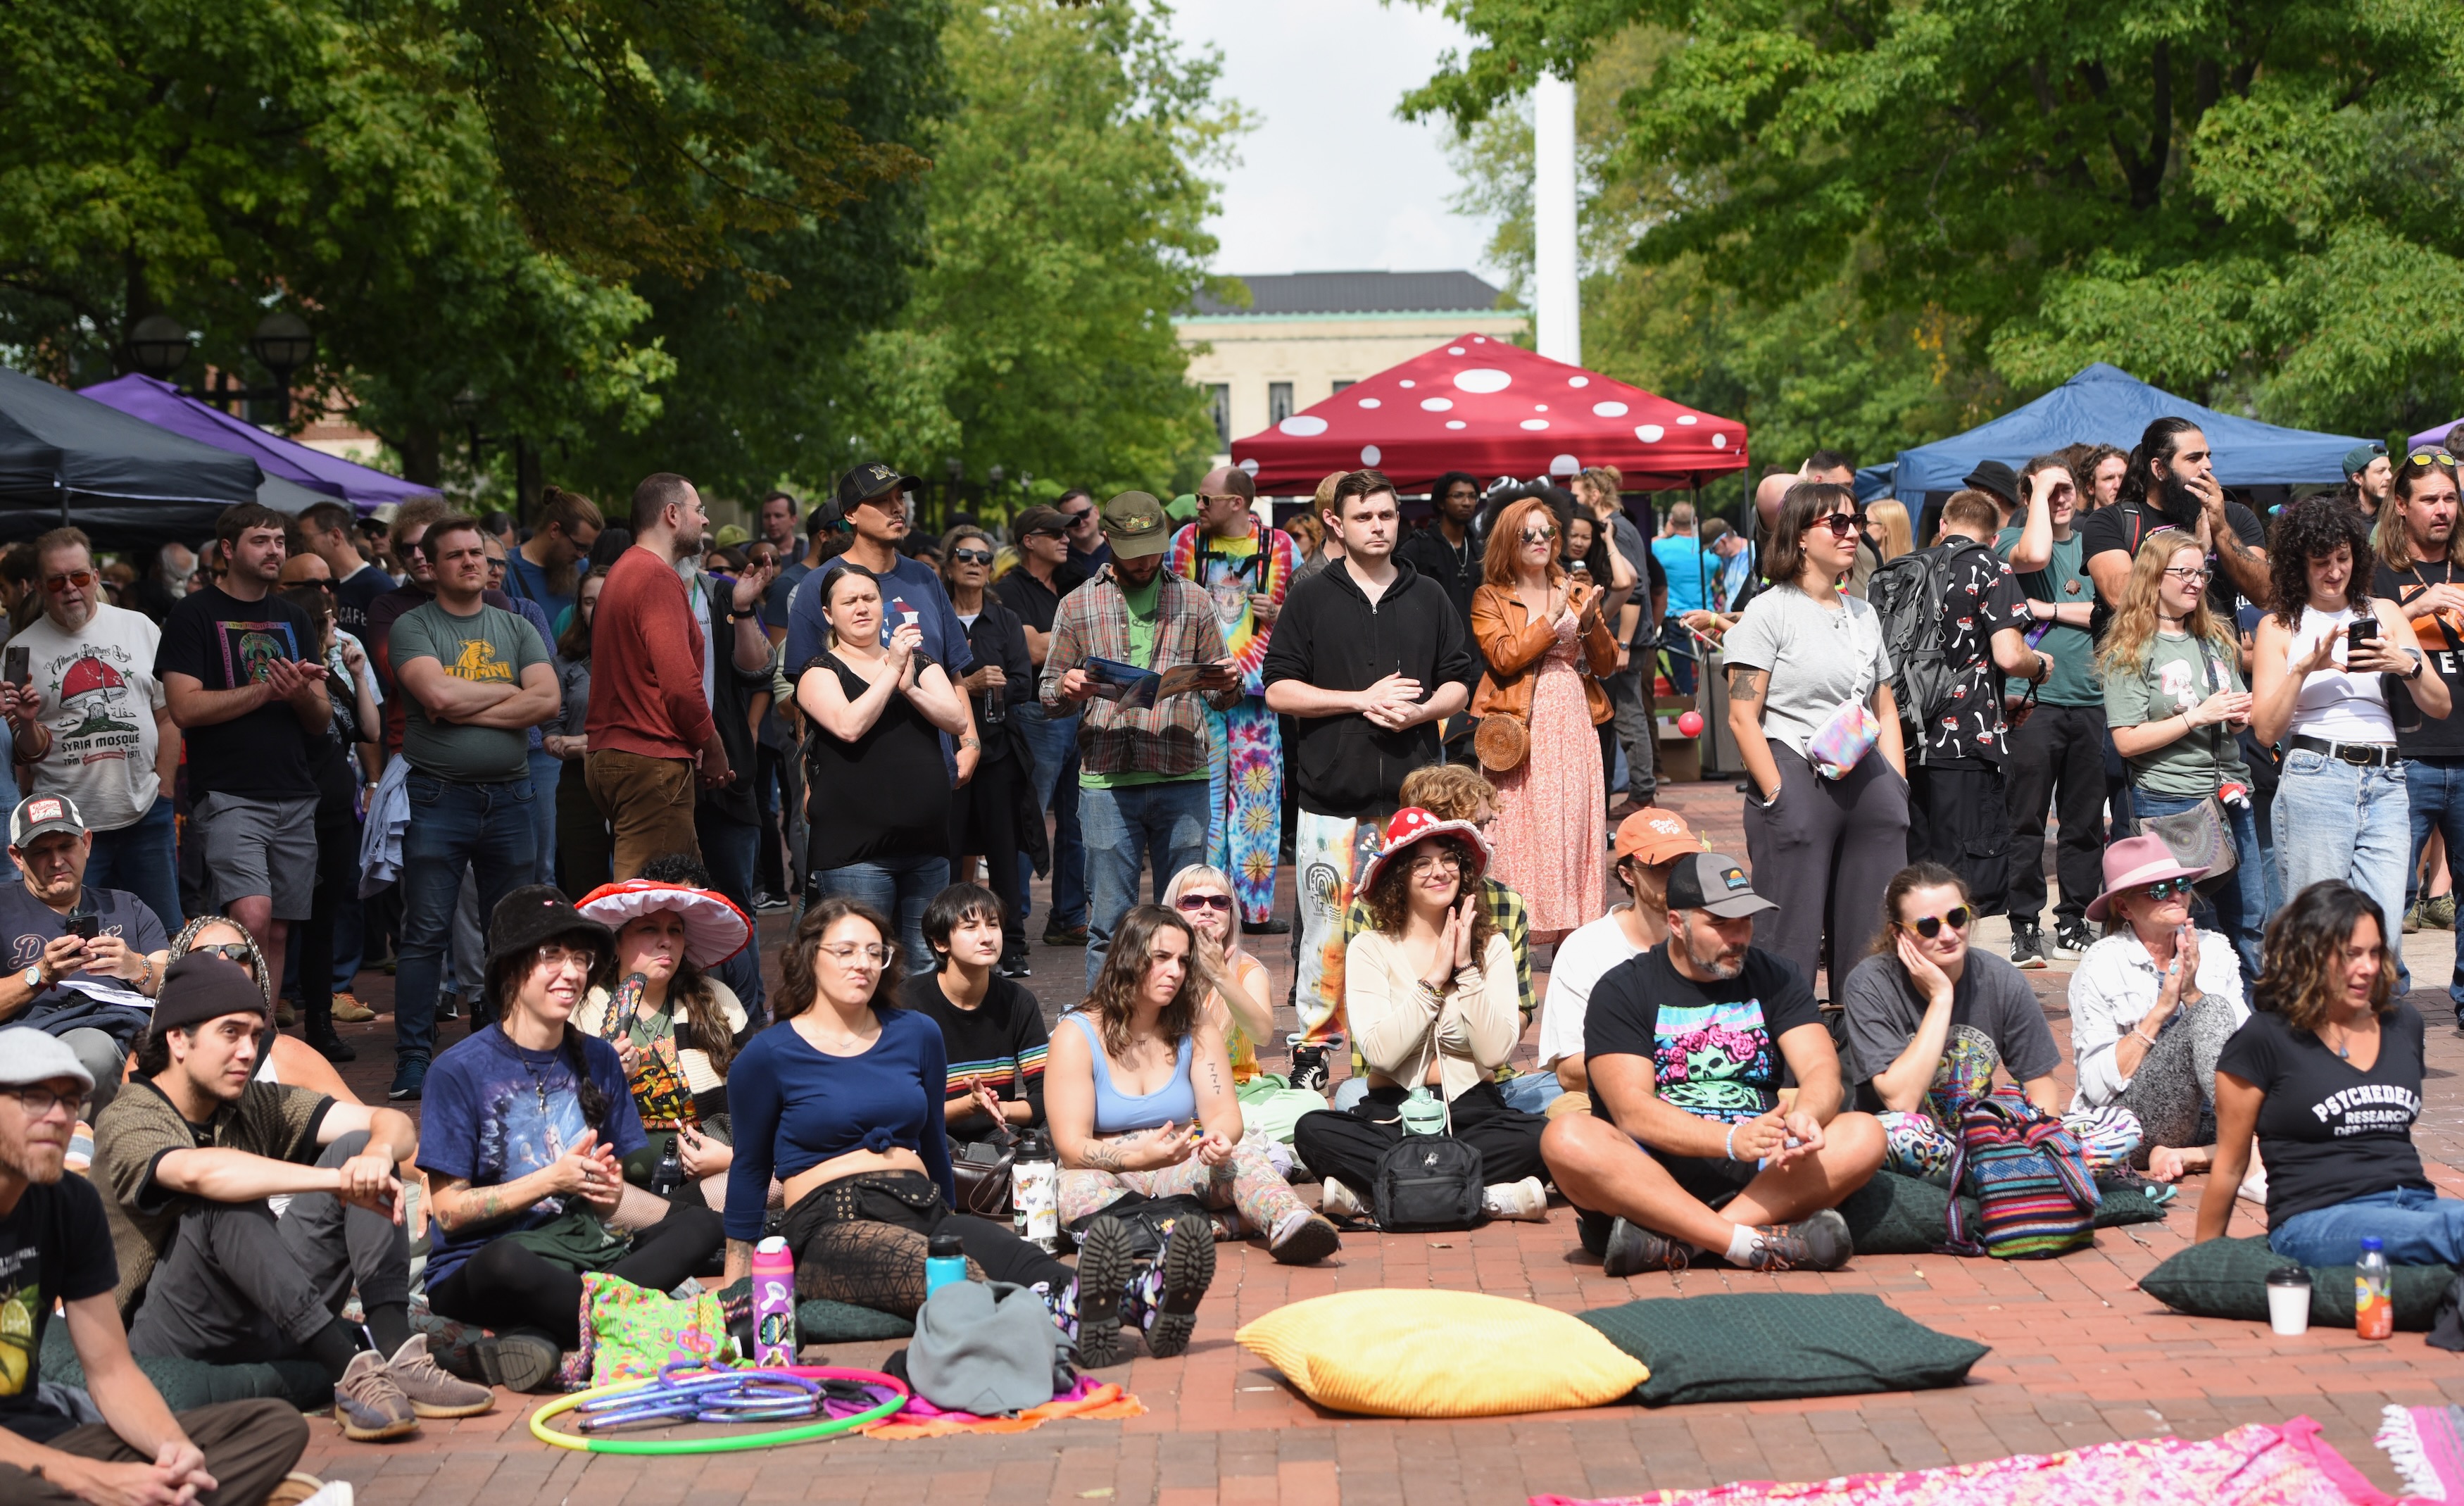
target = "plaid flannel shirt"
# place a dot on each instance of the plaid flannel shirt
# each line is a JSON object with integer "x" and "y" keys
{"x": 1093, "y": 622}
{"x": 1511, "y": 918}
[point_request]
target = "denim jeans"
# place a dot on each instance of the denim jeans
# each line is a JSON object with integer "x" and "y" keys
{"x": 899, "y": 888}
{"x": 729, "y": 849}
{"x": 1053, "y": 743}
{"x": 2434, "y": 792}
{"x": 2419, "y": 1227}
{"x": 2239, "y": 905}
{"x": 2339, "y": 820}
{"x": 1533, "y": 1092}
{"x": 1125, "y": 829}
{"x": 484, "y": 827}
{"x": 546, "y": 770}
{"x": 140, "y": 859}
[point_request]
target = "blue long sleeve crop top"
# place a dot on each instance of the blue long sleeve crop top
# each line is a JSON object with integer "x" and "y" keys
{"x": 794, "y": 1107}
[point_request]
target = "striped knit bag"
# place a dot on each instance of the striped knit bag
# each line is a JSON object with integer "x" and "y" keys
{"x": 2028, "y": 1177}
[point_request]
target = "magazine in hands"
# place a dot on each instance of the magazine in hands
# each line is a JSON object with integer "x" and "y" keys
{"x": 1132, "y": 686}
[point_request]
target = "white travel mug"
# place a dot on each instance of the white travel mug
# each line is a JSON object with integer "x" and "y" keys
{"x": 2288, "y": 1300}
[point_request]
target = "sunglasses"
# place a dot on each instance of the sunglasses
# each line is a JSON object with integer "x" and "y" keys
{"x": 1840, "y": 524}
{"x": 1046, "y": 533}
{"x": 1075, "y": 519}
{"x": 2165, "y": 888}
{"x": 1930, "y": 926}
{"x": 2431, "y": 458}
{"x": 1194, "y": 903}
{"x": 971, "y": 556}
{"x": 1538, "y": 534}
{"x": 227, "y": 951}
{"x": 83, "y": 580}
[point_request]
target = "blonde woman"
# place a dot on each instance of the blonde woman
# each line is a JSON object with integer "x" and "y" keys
{"x": 1240, "y": 1000}
{"x": 1887, "y": 530}
{"x": 2175, "y": 701}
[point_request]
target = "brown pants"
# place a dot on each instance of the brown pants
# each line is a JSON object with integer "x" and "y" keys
{"x": 649, "y": 803}
{"x": 249, "y": 1448}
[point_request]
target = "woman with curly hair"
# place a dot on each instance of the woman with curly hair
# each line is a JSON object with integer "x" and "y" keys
{"x": 2326, "y": 1074}
{"x": 2174, "y": 701}
{"x": 1432, "y": 996}
{"x": 2326, "y": 658}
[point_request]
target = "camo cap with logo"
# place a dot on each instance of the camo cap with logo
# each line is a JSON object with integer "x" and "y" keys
{"x": 1135, "y": 526}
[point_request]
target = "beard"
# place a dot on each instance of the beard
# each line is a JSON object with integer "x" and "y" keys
{"x": 1715, "y": 961}
{"x": 2178, "y": 503}
{"x": 41, "y": 1164}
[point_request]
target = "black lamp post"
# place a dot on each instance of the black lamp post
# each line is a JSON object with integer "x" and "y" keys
{"x": 158, "y": 345}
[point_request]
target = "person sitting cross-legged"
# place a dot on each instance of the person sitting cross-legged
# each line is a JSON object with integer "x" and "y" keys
{"x": 1930, "y": 1020}
{"x": 2151, "y": 1008}
{"x": 245, "y": 1213}
{"x": 56, "y": 1248}
{"x": 1688, "y": 1147}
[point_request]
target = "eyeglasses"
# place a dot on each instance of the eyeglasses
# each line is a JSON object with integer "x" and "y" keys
{"x": 1538, "y": 534}
{"x": 2165, "y": 889}
{"x": 971, "y": 556}
{"x": 2431, "y": 458}
{"x": 848, "y": 955}
{"x": 1193, "y": 903}
{"x": 40, "y": 1101}
{"x": 239, "y": 952}
{"x": 1840, "y": 524}
{"x": 83, "y": 580}
{"x": 1930, "y": 926}
{"x": 2189, "y": 575}
{"x": 1426, "y": 862}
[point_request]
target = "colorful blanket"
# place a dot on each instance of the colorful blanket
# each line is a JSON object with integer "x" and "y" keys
{"x": 2252, "y": 1465}
{"x": 2426, "y": 1444}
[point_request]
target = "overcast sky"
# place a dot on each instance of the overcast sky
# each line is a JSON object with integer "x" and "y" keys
{"x": 1330, "y": 179}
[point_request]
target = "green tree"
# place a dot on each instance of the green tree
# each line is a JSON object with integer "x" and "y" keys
{"x": 2252, "y": 204}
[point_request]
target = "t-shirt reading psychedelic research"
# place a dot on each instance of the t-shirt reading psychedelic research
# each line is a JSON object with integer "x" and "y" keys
{"x": 2328, "y": 1130}
{"x": 1712, "y": 1046}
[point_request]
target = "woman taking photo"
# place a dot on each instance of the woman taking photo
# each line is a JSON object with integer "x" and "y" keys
{"x": 1802, "y": 659}
{"x": 1546, "y": 644}
{"x": 2320, "y": 672}
{"x": 1432, "y": 997}
{"x": 984, "y": 811}
{"x": 1140, "y": 1095}
{"x": 2326, "y": 1072}
{"x": 675, "y": 1029}
{"x": 585, "y": 853}
{"x": 992, "y": 1030}
{"x": 526, "y": 1123}
{"x": 2174, "y": 701}
{"x": 879, "y": 795}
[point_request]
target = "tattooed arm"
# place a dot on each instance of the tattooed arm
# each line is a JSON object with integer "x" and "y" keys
{"x": 1746, "y": 685}
{"x": 584, "y": 1171}
{"x": 1070, "y": 1112}
{"x": 1210, "y": 1075}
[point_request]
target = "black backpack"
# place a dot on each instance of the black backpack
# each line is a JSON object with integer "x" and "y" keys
{"x": 1907, "y": 593}
{"x": 1427, "y": 1182}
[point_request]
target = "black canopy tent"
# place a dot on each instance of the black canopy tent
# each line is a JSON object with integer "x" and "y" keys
{"x": 69, "y": 459}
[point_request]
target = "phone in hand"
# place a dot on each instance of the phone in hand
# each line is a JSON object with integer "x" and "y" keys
{"x": 18, "y": 668}
{"x": 2361, "y": 630}
{"x": 83, "y": 926}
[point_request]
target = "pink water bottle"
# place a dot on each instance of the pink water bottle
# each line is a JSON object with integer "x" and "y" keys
{"x": 774, "y": 1304}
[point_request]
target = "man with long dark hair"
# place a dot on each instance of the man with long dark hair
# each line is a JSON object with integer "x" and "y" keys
{"x": 2420, "y": 567}
{"x": 2173, "y": 483}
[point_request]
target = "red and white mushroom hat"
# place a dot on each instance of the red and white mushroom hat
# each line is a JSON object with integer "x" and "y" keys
{"x": 714, "y": 928}
{"x": 1413, "y": 824}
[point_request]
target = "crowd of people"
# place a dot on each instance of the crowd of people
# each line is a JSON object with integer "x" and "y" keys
{"x": 243, "y": 778}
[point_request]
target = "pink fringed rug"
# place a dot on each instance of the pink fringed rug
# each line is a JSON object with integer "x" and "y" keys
{"x": 2252, "y": 1465}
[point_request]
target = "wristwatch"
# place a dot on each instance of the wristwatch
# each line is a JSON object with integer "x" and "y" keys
{"x": 33, "y": 976}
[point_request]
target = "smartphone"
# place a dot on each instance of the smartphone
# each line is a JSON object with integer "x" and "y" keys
{"x": 2361, "y": 630}
{"x": 18, "y": 669}
{"x": 84, "y": 926}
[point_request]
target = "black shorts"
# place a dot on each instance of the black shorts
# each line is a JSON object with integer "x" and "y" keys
{"x": 1713, "y": 1180}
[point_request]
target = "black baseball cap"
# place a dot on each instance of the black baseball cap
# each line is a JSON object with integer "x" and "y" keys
{"x": 869, "y": 480}
{"x": 1716, "y": 883}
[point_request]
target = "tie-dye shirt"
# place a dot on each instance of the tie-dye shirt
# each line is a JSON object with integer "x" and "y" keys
{"x": 1229, "y": 570}
{"x": 1712, "y": 1046}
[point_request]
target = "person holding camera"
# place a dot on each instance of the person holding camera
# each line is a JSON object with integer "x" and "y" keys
{"x": 2327, "y": 656}
{"x": 84, "y": 964}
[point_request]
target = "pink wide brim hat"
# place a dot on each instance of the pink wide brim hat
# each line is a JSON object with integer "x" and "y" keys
{"x": 2135, "y": 861}
{"x": 715, "y": 929}
{"x": 1412, "y": 826}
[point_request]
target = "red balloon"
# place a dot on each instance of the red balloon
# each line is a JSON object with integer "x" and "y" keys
{"x": 1690, "y": 723}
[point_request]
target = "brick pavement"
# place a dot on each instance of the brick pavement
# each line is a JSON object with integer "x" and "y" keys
{"x": 2080, "y": 1357}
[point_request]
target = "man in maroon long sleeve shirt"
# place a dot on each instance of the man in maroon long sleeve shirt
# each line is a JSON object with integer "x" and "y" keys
{"x": 650, "y": 728}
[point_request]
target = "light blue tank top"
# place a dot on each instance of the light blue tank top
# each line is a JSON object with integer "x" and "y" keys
{"x": 1119, "y": 1112}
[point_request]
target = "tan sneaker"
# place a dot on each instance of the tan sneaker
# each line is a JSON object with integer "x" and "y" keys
{"x": 294, "y": 1489}
{"x": 369, "y": 1406}
{"x": 349, "y": 1010}
{"x": 434, "y": 1390}
{"x": 1525, "y": 1200}
{"x": 1336, "y": 1200}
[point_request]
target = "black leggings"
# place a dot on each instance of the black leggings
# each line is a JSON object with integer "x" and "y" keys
{"x": 1345, "y": 1145}
{"x": 861, "y": 1239}
{"x": 509, "y": 1285}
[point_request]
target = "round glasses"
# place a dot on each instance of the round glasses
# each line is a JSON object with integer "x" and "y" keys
{"x": 1930, "y": 926}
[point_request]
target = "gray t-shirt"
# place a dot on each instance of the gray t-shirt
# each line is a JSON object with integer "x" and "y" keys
{"x": 2179, "y": 673}
{"x": 1994, "y": 1022}
{"x": 492, "y": 645}
{"x": 1818, "y": 658}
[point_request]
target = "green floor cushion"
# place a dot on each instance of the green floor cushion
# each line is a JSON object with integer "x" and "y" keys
{"x": 190, "y": 1383}
{"x": 2228, "y": 1278}
{"x": 1776, "y": 1347}
{"x": 1897, "y": 1215}
{"x": 819, "y": 1320}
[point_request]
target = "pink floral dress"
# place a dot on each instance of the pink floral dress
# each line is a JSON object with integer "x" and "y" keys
{"x": 1553, "y": 808}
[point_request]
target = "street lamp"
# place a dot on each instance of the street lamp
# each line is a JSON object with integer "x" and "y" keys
{"x": 158, "y": 345}
{"x": 284, "y": 344}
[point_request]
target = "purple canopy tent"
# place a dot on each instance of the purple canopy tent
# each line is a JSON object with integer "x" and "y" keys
{"x": 2432, "y": 436}
{"x": 161, "y": 404}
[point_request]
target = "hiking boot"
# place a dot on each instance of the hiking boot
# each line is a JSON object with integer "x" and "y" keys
{"x": 2439, "y": 913}
{"x": 1633, "y": 1250}
{"x": 285, "y": 1015}
{"x": 330, "y": 1046}
{"x": 432, "y": 1391}
{"x": 1309, "y": 1070}
{"x": 1819, "y": 1243}
{"x": 2072, "y": 939}
{"x": 369, "y": 1405}
{"x": 2027, "y": 946}
{"x": 519, "y": 1359}
{"x": 1063, "y": 934}
{"x": 349, "y": 1010}
{"x": 1165, "y": 1295}
{"x": 408, "y": 1074}
{"x": 2413, "y": 920}
{"x": 1107, "y": 1266}
{"x": 1525, "y": 1200}
{"x": 1305, "y": 1239}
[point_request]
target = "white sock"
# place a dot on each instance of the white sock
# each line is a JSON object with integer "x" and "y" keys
{"x": 1288, "y": 1225}
{"x": 1743, "y": 1242}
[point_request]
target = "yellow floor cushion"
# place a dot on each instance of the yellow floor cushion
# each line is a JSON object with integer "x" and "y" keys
{"x": 1441, "y": 1353}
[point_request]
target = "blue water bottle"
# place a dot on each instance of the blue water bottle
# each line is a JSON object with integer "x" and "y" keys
{"x": 945, "y": 1261}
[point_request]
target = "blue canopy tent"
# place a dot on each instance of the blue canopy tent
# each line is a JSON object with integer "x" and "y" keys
{"x": 2106, "y": 405}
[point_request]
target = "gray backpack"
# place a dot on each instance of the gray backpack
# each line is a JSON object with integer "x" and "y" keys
{"x": 987, "y": 1347}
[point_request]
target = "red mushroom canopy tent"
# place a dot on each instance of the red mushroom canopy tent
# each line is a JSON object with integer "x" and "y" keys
{"x": 1481, "y": 405}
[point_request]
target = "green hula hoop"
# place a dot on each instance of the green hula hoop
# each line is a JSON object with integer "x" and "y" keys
{"x": 664, "y": 1446}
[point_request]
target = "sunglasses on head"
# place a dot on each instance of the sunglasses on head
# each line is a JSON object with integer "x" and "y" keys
{"x": 971, "y": 556}
{"x": 2437, "y": 456}
{"x": 1930, "y": 926}
{"x": 2165, "y": 888}
{"x": 227, "y": 951}
{"x": 1195, "y": 902}
{"x": 83, "y": 580}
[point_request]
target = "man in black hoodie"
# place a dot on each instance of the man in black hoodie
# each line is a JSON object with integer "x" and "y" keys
{"x": 1367, "y": 657}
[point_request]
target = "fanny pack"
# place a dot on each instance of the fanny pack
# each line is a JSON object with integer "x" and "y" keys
{"x": 1843, "y": 740}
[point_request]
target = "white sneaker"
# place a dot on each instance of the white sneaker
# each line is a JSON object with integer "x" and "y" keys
{"x": 2255, "y": 1186}
{"x": 1334, "y": 1199}
{"x": 1526, "y": 1200}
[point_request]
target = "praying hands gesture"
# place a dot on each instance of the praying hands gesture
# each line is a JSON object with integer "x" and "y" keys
{"x": 1454, "y": 945}
{"x": 1393, "y": 703}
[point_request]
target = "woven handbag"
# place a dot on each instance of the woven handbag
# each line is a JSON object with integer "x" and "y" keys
{"x": 2036, "y": 1196}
